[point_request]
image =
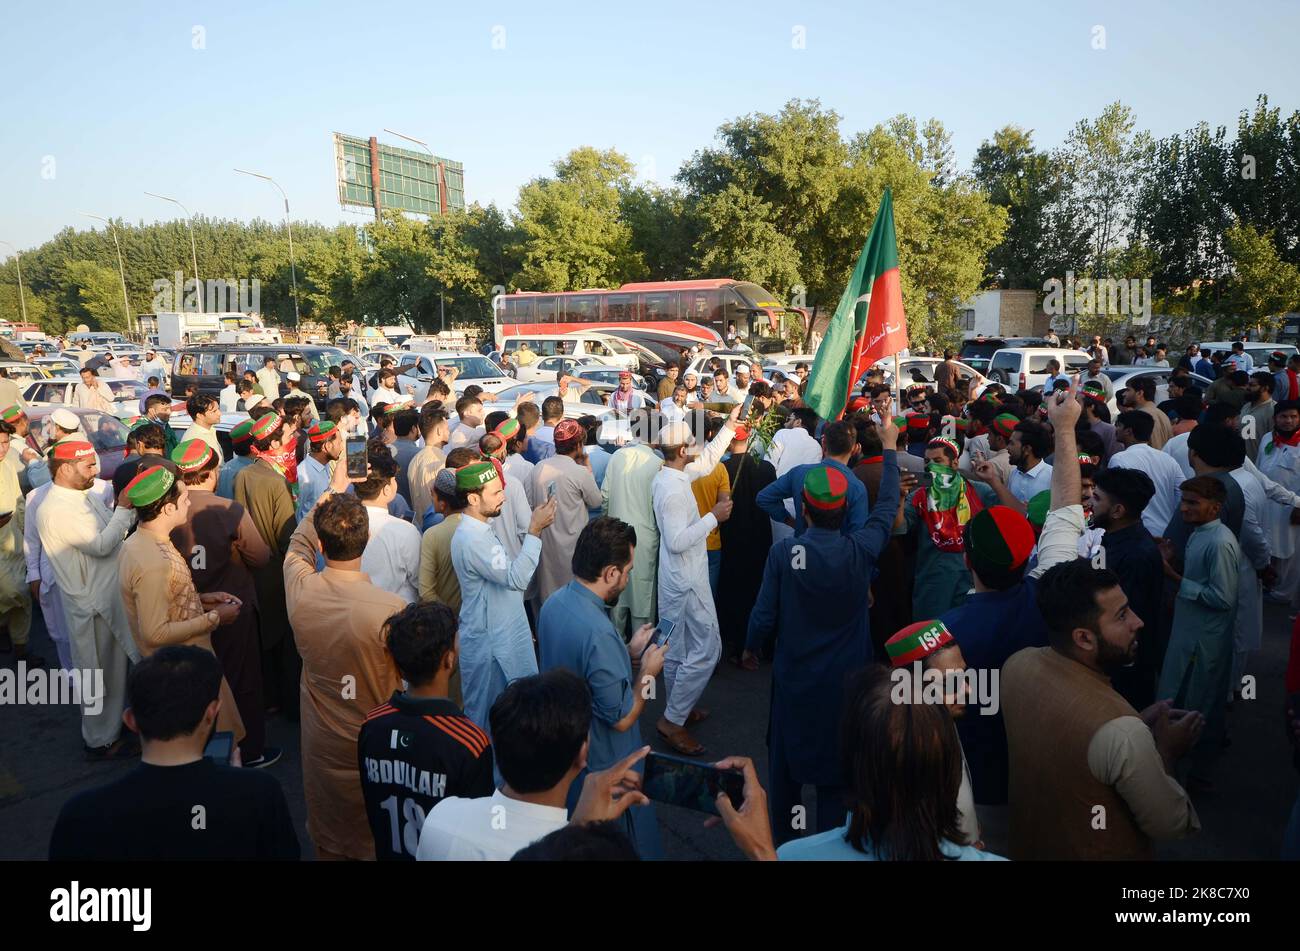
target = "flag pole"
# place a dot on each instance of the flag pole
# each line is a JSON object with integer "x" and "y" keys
{"x": 898, "y": 386}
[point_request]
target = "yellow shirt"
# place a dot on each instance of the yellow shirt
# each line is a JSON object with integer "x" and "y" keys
{"x": 707, "y": 489}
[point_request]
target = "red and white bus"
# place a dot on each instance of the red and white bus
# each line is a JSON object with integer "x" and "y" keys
{"x": 702, "y": 310}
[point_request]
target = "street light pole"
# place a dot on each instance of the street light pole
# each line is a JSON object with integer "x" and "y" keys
{"x": 121, "y": 270}
{"x": 194, "y": 254}
{"x": 18, "y": 260}
{"x": 293, "y": 268}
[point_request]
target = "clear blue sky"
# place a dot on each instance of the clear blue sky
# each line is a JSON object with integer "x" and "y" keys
{"x": 121, "y": 100}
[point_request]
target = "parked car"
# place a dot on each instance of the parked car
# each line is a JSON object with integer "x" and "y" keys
{"x": 59, "y": 365}
{"x": 978, "y": 351}
{"x": 1123, "y": 376}
{"x": 1258, "y": 350}
{"x": 921, "y": 370}
{"x": 582, "y": 343}
{"x": 419, "y": 369}
{"x": 23, "y": 373}
{"x": 545, "y": 369}
{"x": 593, "y": 400}
{"x": 205, "y": 364}
{"x": 1023, "y": 368}
{"x": 607, "y": 376}
{"x": 127, "y": 393}
{"x": 730, "y": 359}
{"x": 106, "y": 433}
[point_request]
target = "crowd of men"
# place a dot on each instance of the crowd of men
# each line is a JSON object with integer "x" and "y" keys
{"x": 468, "y": 627}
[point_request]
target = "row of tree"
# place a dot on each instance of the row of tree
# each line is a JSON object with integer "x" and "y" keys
{"x": 784, "y": 200}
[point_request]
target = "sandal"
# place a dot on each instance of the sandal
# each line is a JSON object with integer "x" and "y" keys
{"x": 698, "y": 715}
{"x": 680, "y": 746}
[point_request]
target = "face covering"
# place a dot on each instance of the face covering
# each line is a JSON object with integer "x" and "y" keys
{"x": 946, "y": 507}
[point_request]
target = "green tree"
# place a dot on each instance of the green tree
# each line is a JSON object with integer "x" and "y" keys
{"x": 573, "y": 235}
{"x": 1263, "y": 287}
{"x": 739, "y": 237}
{"x": 97, "y": 295}
{"x": 1044, "y": 238}
{"x": 665, "y": 229}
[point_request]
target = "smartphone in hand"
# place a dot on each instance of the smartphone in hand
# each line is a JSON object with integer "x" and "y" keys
{"x": 356, "y": 457}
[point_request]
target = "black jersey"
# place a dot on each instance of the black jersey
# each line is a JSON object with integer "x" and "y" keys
{"x": 413, "y": 753}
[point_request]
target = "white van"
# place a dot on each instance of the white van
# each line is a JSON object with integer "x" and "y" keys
{"x": 1023, "y": 368}
{"x": 602, "y": 347}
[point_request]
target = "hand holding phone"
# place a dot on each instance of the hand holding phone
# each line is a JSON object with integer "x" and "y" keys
{"x": 357, "y": 463}
{"x": 220, "y": 748}
{"x": 681, "y": 782}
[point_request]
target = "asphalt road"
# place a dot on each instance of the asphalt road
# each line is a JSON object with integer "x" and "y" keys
{"x": 41, "y": 765}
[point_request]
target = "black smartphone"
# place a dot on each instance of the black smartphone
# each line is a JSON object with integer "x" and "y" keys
{"x": 356, "y": 457}
{"x": 220, "y": 748}
{"x": 924, "y": 479}
{"x": 663, "y": 631}
{"x": 680, "y": 782}
{"x": 745, "y": 405}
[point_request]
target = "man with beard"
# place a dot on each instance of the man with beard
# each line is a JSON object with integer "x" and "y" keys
{"x": 496, "y": 643}
{"x": 1279, "y": 460}
{"x": 1076, "y": 746}
{"x": 159, "y": 410}
{"x": 1198, "y": 665}
{"x": 574, "y": 631}
{"x": 1140, "y": 395}
{"x": 1118, "y": 501}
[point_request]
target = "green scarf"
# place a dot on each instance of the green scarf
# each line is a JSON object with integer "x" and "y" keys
{"x": 947, "y": 487}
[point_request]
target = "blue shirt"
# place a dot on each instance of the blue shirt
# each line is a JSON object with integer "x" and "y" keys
{"x": 989, "y": 627}
{"x": 538, "y": 449}
{"x": 226, "y": 478}
{"x": 832, "y": 846}
{"x": 1204, "y": 368}
{"x": 790, "y": 486}
{"x": 574, "y": 631}
{"x": 814, "y": 599}
{"x": 496, "y": 643}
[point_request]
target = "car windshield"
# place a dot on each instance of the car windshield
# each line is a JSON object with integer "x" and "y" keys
{"x": 1116, "y": 373}
{"x": 512, "y": 393}
{"x": 983, "y": 349}
{"x": 127, "y": 389}
{"x": 470, "y": 367}
{"x": 318, "y": 362}
{"x": 105, "y": 432}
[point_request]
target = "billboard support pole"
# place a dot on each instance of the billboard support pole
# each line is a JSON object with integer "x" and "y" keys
{"x": 374, "y": 176}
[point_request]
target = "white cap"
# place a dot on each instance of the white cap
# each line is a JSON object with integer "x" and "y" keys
{"x": 251, "y": 400}
{"x": 293, "y": 376}
{"x": 675, "y": 434}
{"x": 66, "y": 420}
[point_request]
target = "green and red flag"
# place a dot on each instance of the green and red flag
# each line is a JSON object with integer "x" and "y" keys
{"x": 868, "y": 325}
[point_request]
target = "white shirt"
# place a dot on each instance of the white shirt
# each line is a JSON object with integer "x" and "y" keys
{"x": 269, "y": 380}
{"x": 154, "y": 367}
{"x": 392, "y": 555}
{"x": 38, "y": 563}
{"x": 793, "y": 447}
{"x": 383, "y": 394}
{"x": 1025, "y": 485}
{"x": 229, "y": 399}
{"x": 1176, "y": 448}
{"x": 672, "y": 413}
{"x": 1165, "y": 473}
{"x": 209, "y": 436}
{"x": 465, "y": 435}
{"x": 491, "y": 829}
{"x": 520, "y": 469}
{"x": 97, "y": 396}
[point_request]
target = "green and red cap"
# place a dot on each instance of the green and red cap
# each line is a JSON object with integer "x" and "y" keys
{"x": 11, "y": 414}
{"x": 66, "y": 449}
{"x": 917, "y": 642}
{"x": 508, "y": 428}
{"x": 999, "y": 538}
{"x": 266, "y": 426}
{"x": 1005, "y": 424}
{"x": 244, "y": 431}
{"x": 150, "y": 485}
{"x": 825, "y": 489}
{"x": 320, "y": 430}
{"x": 191, "y": 455}
{"x": 474, "y": 476}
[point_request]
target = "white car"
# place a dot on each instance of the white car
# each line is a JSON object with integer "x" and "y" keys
{"x": 1122, "y": 376}
{"x": 1258, "y": 350}
{"x": 545, "y": 369}
{"x": 59, "y": 392}
{"x": 22, "y": 373}
{"x": 730, "y": 360}
{"x": 921, "y": 370}
{"x": 58, "y": 365}
{"x": 1023, "y": 368}
{"x": 591, "y": 403}
{"x": 418, "y": 369}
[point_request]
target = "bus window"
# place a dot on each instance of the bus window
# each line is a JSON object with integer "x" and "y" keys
{"x": 545, "y": 310}
{"x": 659, "y": 306}
{"x": 621, "y": 307}
{"x": 519, "y": 310}
{"x": 583, "y": 308}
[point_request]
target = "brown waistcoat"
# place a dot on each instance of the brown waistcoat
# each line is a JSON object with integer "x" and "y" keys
{"x": 1053, "y": 706}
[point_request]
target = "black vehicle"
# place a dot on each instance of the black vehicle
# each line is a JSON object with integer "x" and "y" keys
{"x": 978, "y": 351}
{"x": 206, "y": 364}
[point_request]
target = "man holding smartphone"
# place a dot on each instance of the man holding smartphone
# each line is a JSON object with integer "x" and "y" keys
{"x": 574, "y": 631}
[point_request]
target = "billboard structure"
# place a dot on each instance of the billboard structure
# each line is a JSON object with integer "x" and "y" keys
{"x": 378, "y": 176}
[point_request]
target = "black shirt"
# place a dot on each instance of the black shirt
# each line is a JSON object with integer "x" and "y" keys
{"x": 1132, "y": 554}
{"x": 413, "y": 753}
{"x": 201, "y": 810}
